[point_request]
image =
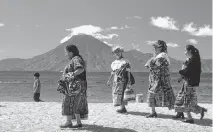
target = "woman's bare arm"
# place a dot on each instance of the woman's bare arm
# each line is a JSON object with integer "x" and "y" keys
{"x": 110, "y": 78}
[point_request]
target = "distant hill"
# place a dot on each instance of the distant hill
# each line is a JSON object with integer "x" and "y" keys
{"x": 95, "y": 52}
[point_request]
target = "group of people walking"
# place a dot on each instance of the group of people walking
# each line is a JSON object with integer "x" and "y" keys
{"x": 160, "y": 93}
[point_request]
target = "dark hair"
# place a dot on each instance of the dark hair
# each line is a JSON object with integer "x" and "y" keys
{"x": 195, "y": 54}
{"x": 36, "y": 74}
{"x": 72, "y": 48}
{"x": 161, "y": 45}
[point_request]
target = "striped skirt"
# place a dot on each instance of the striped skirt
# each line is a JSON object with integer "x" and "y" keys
{"x": 186, "y": 100}
{"x": 76, "y": 104}
{"x": 118, "y": 89}
{"x": 161, "y": 99}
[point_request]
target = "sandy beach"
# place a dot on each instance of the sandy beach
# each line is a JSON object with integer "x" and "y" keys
{"x": 46, "y": 117}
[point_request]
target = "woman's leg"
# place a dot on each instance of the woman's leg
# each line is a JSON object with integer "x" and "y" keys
{"x": 178, "y": 115}
{"x": 78, "y": 119}
{"x": 190, "y": 119}
{"x": 153, "y": 110}
{"x": 189, "y": 116}
{"x": 68, "y": 122}
{"x": 153, "y": 113}
{"x": 66, "y": 112}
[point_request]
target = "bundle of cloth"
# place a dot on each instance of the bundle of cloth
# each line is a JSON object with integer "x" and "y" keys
{"x": 67, "y": 86}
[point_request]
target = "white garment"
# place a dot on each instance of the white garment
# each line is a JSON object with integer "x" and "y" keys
{"x": 163, "y": 55}
{"x": 117, "y": 64}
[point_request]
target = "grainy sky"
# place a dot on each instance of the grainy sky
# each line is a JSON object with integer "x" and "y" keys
{"x": 33, "y": 27}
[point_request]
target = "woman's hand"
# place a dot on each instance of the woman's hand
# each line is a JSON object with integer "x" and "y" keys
{"x": 128, "y": 86}
{"x": 108, "y": 83}
{"x": 148, "y": 62}
{"x": 183, "y": 67}
{"x": 69, "y": 76}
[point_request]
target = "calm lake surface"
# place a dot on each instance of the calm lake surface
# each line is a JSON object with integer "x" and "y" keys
{"x": 17, "y": 86}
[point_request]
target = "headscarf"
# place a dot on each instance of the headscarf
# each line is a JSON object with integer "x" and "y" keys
{"x": 117, "y": 49}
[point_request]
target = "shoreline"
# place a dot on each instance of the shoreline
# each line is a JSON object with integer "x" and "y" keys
{"x": 46, "y": 116}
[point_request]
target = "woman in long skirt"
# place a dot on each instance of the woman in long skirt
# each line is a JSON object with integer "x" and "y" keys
{"x": 121, "y": 72}
{"x": 160, "y": 92}
{"x": 74, "y": 104}
{"x": 187, "y": 98}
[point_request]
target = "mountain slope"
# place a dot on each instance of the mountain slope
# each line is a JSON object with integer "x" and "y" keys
{"x": 96, "y": 53}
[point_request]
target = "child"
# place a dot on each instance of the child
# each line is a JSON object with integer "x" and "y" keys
{"x": 36, "y": 87}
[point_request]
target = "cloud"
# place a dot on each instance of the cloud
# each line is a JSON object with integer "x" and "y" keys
{"x": 192, "y": 41}
{"x": 1, "y": 24}
{"x": 119, "y": 28}
{"x": 85, "y": 29}
{"x": 150, "y": 42}
{"x": 164, "y": 22}
{"x": 109, "y": 36}
{"x": 1, "y": 51}
{"x": 113, "y": 28}
{"x": 192, "y": 29}
{"x": 126, "y": 26}
{"x": 135, "y": 46}
{"x": 134, "y": 17}
{"x": 173, "y": 45}
{"x": 88, "y": 30}
{"x": 108, "y": 43}
{"x": 204, "y": 31}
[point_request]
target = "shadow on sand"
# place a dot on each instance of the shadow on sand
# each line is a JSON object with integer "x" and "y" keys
{"x": 95, "y": 128}
{"x": 2, "y": 105}
{"x": 203, "y": 122}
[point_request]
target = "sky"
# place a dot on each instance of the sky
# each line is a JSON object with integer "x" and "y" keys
{"x": 32, "y": 27}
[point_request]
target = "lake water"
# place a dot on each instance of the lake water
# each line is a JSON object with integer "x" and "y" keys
{"x": 17, "y": 86}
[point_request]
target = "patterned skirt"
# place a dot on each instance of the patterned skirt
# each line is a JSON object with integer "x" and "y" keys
{"x": 118, "y": 89}
{"x": 76, "y": 104}
{"x": 186, "y": 100}
{"x": 161, "y": 99}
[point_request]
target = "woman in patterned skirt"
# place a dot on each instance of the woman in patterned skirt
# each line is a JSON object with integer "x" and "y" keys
{"x": 160, "y": 93}
{"x": 75, "y": 105}
{"x": 187, "y": 98}
{"x": 121, "y": 72}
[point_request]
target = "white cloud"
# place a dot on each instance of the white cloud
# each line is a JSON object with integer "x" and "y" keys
{"x": 88, "y": 30}
{"x": 134, "y": 17}
{"x": 173, "y": 45}
{"x": 114, "y": 28}
{"x": 204, "y": 31}
{"x": 126, "y": 26}
{"x": 192, "y": 41}
{"x": 192, "y": 29}
{"x": 150, "y": 42}
{"x": 164, "y": 22}
{"x": 135, "y": 46}
{"x": 100, "y": 36}
{"x": 118, "y": 28}
{"x": 85, "y": 29}
{"x": 108, "y": 43}
{"x": 1, "y": 24}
